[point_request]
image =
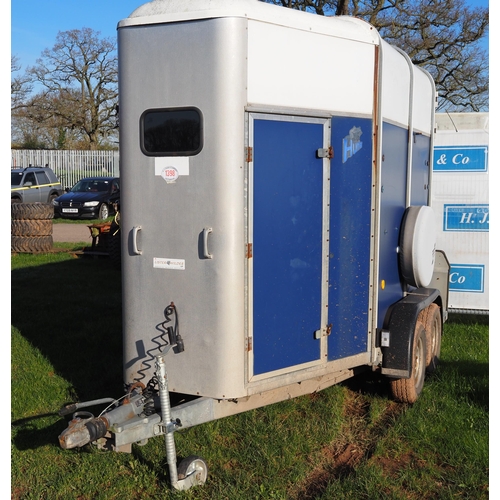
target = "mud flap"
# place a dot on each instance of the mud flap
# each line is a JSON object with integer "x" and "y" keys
{"x": 398, "y": 335}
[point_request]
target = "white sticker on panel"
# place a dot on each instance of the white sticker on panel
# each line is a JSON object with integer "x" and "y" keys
{"x": 170, "y": 168}
{"x": 165, "y": 263}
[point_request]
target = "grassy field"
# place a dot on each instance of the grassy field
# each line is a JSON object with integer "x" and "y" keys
{"x": 347, "y": 442}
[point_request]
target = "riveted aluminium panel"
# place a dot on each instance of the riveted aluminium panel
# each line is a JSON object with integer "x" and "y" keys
{"x": 164, "y": 217}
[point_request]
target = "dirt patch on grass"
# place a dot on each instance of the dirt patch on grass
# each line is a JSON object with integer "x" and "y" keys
{"x": 355, "y": 444}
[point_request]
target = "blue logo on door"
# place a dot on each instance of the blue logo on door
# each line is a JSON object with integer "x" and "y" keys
{"x": 351, "y": 143}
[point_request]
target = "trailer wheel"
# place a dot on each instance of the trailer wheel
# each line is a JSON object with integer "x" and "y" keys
{"x": 407, "y": 390}
{"x": 193, "y": 465}
{"x": 431, "y": 319}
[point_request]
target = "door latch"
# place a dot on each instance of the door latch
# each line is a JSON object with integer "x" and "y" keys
{"x": 325, "y": 153}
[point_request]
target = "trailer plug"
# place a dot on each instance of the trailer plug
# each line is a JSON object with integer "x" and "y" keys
{"x": 174, "y": 337}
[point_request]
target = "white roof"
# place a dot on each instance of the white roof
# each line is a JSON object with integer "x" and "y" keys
{"x": 166, "y": 11}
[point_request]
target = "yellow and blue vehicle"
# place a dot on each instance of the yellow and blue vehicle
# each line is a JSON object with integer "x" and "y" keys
{"x": 34, "y": 185}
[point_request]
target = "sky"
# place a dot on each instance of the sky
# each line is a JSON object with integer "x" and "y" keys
{"x": 36, "y": 23}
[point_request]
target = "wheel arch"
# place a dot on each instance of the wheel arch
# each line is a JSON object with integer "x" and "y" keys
{"x": 399, "y": 330}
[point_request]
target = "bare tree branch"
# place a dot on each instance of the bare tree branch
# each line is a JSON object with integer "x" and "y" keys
{"x": 79, "y": 77}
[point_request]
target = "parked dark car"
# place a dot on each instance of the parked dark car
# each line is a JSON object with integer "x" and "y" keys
{"x": 34, "y": 185}
{"x": 89, "y": 198}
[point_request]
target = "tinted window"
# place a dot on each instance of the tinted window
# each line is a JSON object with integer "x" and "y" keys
{"x": 171, "y": 132}
{"x": 42, "y": 178}
{"x": 30, "y": 177}
{"x": 91, "y": 186}
{"x": 15, "y": 178}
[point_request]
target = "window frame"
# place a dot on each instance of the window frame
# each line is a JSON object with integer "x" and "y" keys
{"x": 166, "y": 110}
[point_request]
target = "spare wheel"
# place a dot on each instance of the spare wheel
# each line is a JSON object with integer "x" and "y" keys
{"x": 417, "y": 247}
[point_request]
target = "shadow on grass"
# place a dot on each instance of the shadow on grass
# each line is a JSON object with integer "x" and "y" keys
{"x": 465, "y": 380}
{"x": 31, "y": 434}
{"x": 471, "y": 382}
{"x": 468, "y": 319}
{"x": 71, "y": 312}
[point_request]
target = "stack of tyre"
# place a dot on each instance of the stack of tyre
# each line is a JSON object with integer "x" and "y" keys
{"x": 31, "y": 227}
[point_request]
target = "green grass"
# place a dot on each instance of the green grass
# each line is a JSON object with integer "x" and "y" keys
{"x": 60, "y": 220}
{"x": 347, "y": 442}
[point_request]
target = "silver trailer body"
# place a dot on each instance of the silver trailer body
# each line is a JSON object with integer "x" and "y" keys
{"x": 276, "y": 230}
{"x": 189, "y": 220}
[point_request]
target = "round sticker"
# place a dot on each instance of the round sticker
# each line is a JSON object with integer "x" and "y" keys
{"x": 170, "y": 174}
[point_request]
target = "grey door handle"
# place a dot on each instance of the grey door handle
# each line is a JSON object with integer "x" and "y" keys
{"x": 206, "y": 253}
{"x": 135, "y": 232}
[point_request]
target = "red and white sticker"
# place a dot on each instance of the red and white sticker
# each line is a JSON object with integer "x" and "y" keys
{"x": 171, "y": 168}
{"x": 170, "y": 174}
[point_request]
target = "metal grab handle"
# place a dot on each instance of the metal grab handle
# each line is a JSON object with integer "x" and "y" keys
{"x": 135, "y": 231}
{"x": 206, "y": 253}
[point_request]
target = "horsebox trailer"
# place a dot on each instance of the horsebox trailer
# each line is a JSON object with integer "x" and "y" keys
{"x": 277, "y": 236}
{"x": 460, "y": 199}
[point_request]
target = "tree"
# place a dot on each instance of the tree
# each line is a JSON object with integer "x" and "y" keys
{"x": 79, "y": 81}
{"x": 20, "y": 86}
{"x": 441, "y": 36}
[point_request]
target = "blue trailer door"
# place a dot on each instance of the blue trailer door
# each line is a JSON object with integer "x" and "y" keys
{"x": 350, "y": 237}
{"x": 286, "y": 236}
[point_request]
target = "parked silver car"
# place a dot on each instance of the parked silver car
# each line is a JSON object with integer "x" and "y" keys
{"x": 34, "y": 184}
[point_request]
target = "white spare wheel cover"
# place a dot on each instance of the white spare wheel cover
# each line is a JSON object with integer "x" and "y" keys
{"x": 417, "y": 246}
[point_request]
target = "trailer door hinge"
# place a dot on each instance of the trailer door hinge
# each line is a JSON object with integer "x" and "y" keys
{"x": 249, "y": 344}
{"x": 325, "y": 152}
{"x": 249, "y": 254}
{"x": 249, "y": 154}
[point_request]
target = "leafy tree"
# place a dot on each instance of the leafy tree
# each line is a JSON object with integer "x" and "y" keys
{"x": 442, "y": 36}
{"x": 78, "y": 77}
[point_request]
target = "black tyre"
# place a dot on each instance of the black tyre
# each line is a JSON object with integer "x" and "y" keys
{"x": 407, "y": 390}
{"x": 27, "y": 227}
{"x": 32, "y": 211}
{"x": 103, "y": 211}
{"x": 431, "y": 319}
{"x": 31, "y": 244}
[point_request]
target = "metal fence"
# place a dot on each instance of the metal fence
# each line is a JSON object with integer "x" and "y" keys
{"x": 69, "y": 166}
